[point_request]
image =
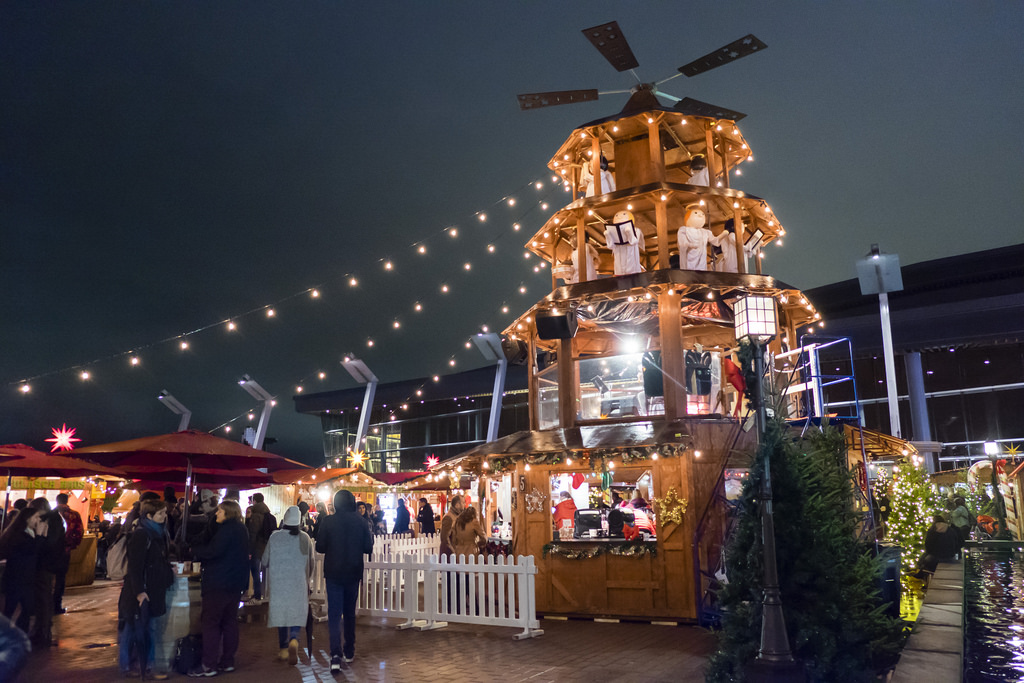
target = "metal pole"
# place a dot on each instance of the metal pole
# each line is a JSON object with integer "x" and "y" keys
{"x": 890, "y": 366}
{"x": 774, "y": 640}
{"x": 364, "y": 417}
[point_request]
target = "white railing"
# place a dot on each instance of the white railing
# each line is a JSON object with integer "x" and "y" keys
{"x": 420, "y": 548}
{"x": 470, "y": 590}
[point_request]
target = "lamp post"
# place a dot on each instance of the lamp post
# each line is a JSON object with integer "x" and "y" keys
{"x": 756, "y": 321}
{"x": 362, "y": 374}
{"x": 489, "y": 345}
{"x": 880, "y": 274}
{"x": 253, "y": 388}
{"x": 176, "y": 407}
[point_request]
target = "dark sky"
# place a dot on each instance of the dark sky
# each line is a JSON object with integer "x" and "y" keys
{"x": 165, "y": 166}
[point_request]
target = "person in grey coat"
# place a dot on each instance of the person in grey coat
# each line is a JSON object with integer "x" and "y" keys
{"x": 288, "y": 561}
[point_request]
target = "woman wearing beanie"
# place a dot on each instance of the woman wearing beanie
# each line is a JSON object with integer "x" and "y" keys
{"x": 288, "y": 560}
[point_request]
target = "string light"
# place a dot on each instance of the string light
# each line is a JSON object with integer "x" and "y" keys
{"x": 271, "y": 312}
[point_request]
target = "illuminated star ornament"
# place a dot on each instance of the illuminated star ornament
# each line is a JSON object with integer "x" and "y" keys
{"x": 357, "y": 458}
{"x": 63, "y": 438}
{"x": 432, "y": 461}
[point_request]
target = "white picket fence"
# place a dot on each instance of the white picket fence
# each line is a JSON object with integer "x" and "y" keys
{"x": 469, "y": 590}
{"x": 412, "y": 582}
{"x": 420, "y": 548}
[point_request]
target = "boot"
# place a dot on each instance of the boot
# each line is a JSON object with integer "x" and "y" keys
{"x": 293, "y": 652}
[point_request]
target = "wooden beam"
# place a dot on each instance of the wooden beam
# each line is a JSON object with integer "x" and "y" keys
{"x": 673, "y": 367}
{"x": 741, "y": 237}
{"x": 654, "y": 145}
{"x": 661, "y": 224}
{"x": 595, "y": 164}
{"x": 581, "y": 247}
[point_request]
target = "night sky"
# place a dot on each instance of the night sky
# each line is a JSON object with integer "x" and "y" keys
{"x": 168, "y": 166}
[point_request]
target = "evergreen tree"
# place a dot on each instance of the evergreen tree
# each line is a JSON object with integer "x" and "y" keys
{"x": 829, "y": 580}
{"x": 912, "y": 507}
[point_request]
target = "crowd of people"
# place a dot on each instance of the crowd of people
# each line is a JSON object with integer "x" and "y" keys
{"x": 234, "y": 549}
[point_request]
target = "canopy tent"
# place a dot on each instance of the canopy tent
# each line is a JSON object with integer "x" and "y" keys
{"x": 179, "y": 449}
{"x": 20, "y": 460}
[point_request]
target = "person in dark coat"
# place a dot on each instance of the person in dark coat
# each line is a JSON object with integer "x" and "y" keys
{"x": 51, "y": 558}
{"x": 425, "y": 517}
{"x": 20, "y": 546}
{"x": 144, "y": 592}
{"x": 225, "y": 567}
{"x": 343, "y": 539}
{"x": 401, "y": 518}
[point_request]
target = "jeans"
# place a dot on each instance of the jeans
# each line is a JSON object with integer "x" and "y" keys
{"x": 341, "y": 601}
{"x": 220, "y": 621}
{"x": 256, "y": 568}
{"x": 141, "y": 629}
{"x": 286, "y": 634}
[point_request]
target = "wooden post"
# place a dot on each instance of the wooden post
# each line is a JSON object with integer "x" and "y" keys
{"x": 741, "y": 237}
{"x": 582, "y": 260}
{"x": 725, "y": 162}
{"x": 710, "y": 154}
{"x": 661, "y": 223}
{"x": 673, "y": 368}
{"x": 566, "y": 387}
{"x": 595, "y": 163}
{"x": 654, "y": 145}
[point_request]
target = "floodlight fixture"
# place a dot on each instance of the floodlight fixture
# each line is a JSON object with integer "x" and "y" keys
{"x": 991, "y": 449}
{"x": 880, "y": 274}
{"x": 176, "y": 407}
{"x": 489, "y": 344}
{"x": 253, "y": 388}
{"x": 362, "y": 374}
{"x": 358, "y": 370}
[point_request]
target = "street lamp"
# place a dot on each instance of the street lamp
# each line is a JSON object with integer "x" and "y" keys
{"x": 362, "y": 374}
{"x": 489, "y": 345}
{"x": 880, "y": 274}
{"x": 253, "y": 388}
{"x": 176, "y": 407}
{"x": 756, "y": 321}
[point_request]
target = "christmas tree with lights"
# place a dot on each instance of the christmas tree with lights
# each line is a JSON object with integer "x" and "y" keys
{"x": 912, "y": 507}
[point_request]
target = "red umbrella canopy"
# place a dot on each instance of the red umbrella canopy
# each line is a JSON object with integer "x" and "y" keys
{"x": 311, "y": 475}
{"x": 20, "y": 460}
{"x": 155, "y": 478}
{"x": 174, "y": 451}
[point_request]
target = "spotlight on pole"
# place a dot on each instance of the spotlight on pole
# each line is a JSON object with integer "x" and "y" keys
{"x": 176, "y": 407}
{"x": 253, "y": 388}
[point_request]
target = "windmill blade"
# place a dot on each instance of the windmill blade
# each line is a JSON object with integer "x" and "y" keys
{"x": 610, "y": 42}
{"x": 692, "y": 107}
{"x": 747, "y": 45}
{"x": 536, "y": 100}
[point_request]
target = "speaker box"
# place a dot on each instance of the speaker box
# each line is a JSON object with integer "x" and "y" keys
{"x": 557, "y": 325}
{"x": 515, "y": 351}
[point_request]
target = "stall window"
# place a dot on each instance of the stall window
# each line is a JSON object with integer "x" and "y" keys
{"x": 582, "y": 509}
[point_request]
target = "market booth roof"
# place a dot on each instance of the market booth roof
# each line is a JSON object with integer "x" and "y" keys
{"x": 174, "y": 451}
{"x": 878, "y": 444}
{"x": 24, "y": 461}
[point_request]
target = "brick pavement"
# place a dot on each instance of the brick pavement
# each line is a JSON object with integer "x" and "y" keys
{"x": 568, "y": 651}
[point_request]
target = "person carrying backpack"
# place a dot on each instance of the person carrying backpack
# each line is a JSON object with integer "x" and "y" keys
{"x": 260, "y": 523}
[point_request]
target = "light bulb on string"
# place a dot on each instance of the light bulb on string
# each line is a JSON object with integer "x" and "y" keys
{"x": 369, "y": 343}
{"x": 388, "y": 265}
{"x": 516, "y": 226}
{"x": 417, "y": 307}
{"x": 352, "y": 282}
{"x": 453, "y": 232}
{"x": 482, "y": 217}
{"x": 134, "y": 361}
{"x": 183, "y": 345}
{"x": 232, "y": 326}
{"x": 422, "y": 249}
{"x": 511, "y": 201}
{"x": 315, "y": 293}
{"x": 444, "y": 289}
{"x": 271, "y": 312}
{"x": 25, "y": 388}
{"x": 322, "y": 375}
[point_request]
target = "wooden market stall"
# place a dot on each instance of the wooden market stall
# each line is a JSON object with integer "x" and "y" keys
{"x": 631, "y": 371}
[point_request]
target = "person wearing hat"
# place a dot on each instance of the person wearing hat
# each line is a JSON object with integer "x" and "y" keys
{"x": 692, "y": 239}
{"x": 343, "y": 538}
{"x": 288, "y": 566}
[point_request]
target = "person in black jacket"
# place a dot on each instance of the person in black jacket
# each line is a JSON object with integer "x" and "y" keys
{"x": 20, "y": 546}
{"x": 426, "y": 517}
{"x": 144, "y": 592}
{"x": 51, "y": 557}
{"x": 225, "y": 563}
{"x": 343, "y": 538}
{"x": 401, "y": 518}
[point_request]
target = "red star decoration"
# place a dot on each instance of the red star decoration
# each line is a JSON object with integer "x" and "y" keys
{"x": 432, "y": 461}
{"x": 63, "y": 438}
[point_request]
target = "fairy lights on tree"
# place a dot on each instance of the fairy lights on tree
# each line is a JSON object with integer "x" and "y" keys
{"x": 912, "y": 507}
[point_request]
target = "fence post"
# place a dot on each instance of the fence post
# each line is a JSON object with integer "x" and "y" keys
{"x": 433, "y": 571}
{"x": 528, "y": 599}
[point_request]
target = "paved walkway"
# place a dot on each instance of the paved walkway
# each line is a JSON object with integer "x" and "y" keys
{"x": 568, "y": 651}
